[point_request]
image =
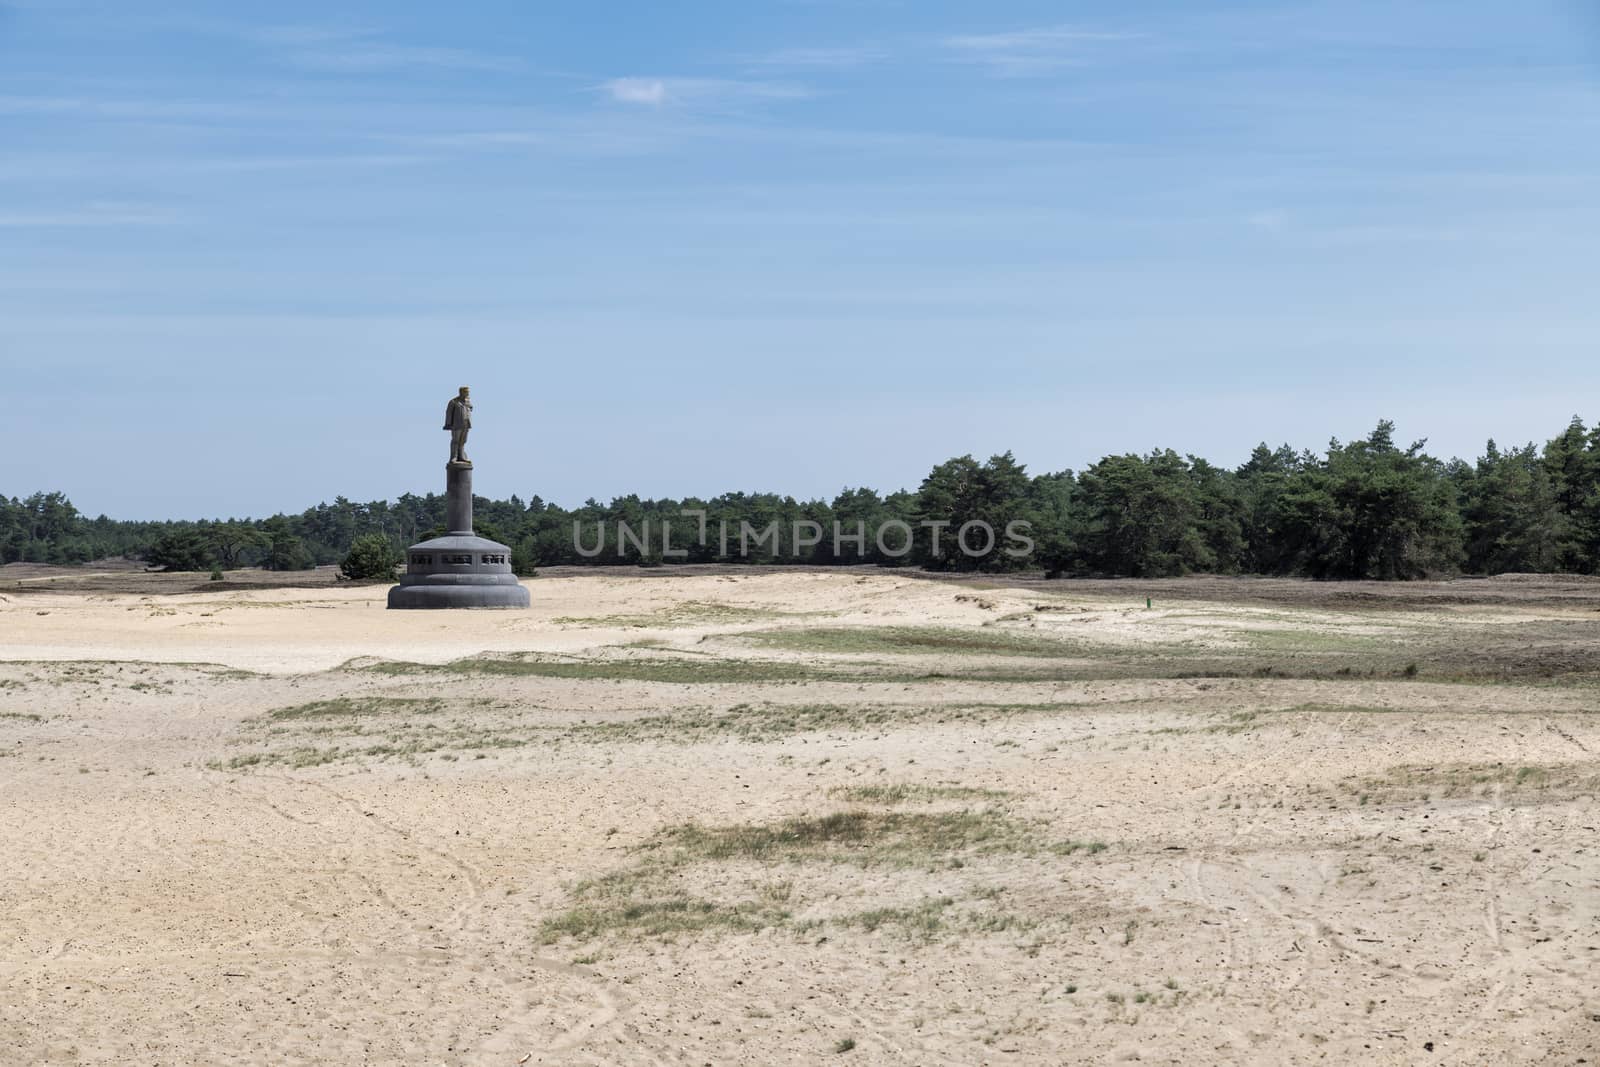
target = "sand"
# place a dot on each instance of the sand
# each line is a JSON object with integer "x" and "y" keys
{"x": 1250, "y": 824}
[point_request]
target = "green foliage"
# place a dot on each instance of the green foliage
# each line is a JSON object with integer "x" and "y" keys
{"x": 1145, "y": 517}
{"x": 488, "y": 529}
{"x": 1512, "y": 513}
{"x": 229, "y": 541}
{"x": 1369, "y": 509}
{"x": 181, "y": 550}
{"x": 1261, "y": 482}
{"x": 372, "y": 558}
{"x": 525, "y": 557}
{"x": 283, "y": 551}
{"x": 961, "y": 492}
{"x": 44, "y": 528}
{"x": 1572, "y": 463}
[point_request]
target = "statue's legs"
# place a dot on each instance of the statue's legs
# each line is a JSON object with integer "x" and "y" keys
{"x": 458, "y": 446}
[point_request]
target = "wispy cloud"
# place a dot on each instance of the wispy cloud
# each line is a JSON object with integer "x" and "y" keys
{"x": 1021, "y": 53}
{"x": 651, "y": 91}
{"x": 1324, "y": 234}
{"x": 383, "y": 57}
{"x": 365, "y": 51}
{"x": 107, "y": 107}
{"x": 257, "y": 164}
{"x": 477, "y": 139}
{"x": 659, "y": 92}
{"x": 98, "y": 213}
{"x": 68, "y": 167}
{"x": 1039, "y": 39}
{"x": 590, "y": 133}
{"x": 1391, "y": 235}
{"x": 816, "y": 58}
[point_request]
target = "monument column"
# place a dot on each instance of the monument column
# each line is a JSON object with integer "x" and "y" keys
{"x": 458, "y": 497}
{"x": 460, "y": 569}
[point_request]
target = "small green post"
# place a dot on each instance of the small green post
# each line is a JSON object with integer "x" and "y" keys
{"x": 1147, "y": 602}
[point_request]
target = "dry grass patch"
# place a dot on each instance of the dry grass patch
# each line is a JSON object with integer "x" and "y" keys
{"x": 913, "y": 641}
{"x": 382, "y": 728}
{"x": 767, "y": 722}
{"x": 666, "y": 892}
{"x": 656, "y": 915}
{"x": 354, "y": 707}
{"x": 907, "y": 793}
{"x": 864, "y": 838}
{"x": 1448, "y": 781}
{"x": 678, "y": 669}
{"x": 687, "y": 613}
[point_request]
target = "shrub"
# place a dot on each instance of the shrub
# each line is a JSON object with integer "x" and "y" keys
{"x": 184, "y": 550}
{"x": 371, "y": 558}
{"x": 525, "y": 558}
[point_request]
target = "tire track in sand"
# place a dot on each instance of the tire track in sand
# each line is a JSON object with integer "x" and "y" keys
{"x": 467, "y": 925}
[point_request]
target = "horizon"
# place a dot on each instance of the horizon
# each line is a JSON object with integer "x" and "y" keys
{"x": 674, "y": 250}
{"x": 1401, "y": 441}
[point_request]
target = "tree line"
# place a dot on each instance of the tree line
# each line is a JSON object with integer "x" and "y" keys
{"x": 1370, "y": 508}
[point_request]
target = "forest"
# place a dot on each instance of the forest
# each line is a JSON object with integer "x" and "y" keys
{"x": 1370, "y": 508}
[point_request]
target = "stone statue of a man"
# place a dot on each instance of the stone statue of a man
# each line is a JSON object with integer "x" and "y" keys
{"x": 458, "y": 420}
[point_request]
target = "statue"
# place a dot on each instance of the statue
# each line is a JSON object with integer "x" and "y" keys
{"x": 459, "y": 569}
{"x": 458, "y": 420}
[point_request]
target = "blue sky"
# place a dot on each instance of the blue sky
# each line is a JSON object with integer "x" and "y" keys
{"x": 248, "y": 251}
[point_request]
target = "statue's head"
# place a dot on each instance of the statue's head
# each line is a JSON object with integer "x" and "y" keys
{"x": 464, "y": 392}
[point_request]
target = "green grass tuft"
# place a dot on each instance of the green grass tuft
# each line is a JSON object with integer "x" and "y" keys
{"x": 348, "y": 707}
{"x": 906, "y": 793}
{"x": 913, "y": 641}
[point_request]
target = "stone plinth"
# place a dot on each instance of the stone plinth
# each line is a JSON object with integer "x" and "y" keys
{"x": 460, "y": 569}
{"x": 458, "y": 498}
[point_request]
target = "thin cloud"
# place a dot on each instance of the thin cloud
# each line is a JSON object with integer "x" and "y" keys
{"x": 254, "y": 164}
{"x": 1030, "y": 51}
{"x": 1279, "y": 222}
{"x": 120, "y": 107}
{"x": 384, "y": 57}
{"x": 1048, "y": 37}
{"x": 301, "y": 36}
{"x": 817, "y": 58}
{"x": 364, "y": 51}
{"x": 477, "y": 138}
{"x": 1385, "y": 235}
{"x": 660, "y": 92}
{"x": 77, "y": 167}
{"x": 648, "y": 91}
{"x": 101, "y": 213}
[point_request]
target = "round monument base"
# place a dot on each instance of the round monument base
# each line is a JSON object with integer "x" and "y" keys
{"x": 459, "y": 571}
{"x": 459, "y": 596}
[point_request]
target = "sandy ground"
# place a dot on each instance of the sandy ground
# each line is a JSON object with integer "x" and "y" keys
{"x": 731, "y": 817}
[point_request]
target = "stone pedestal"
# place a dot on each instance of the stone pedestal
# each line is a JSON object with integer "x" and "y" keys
{"x": 458, "y": 498}
{"x": 460, "y": 569}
